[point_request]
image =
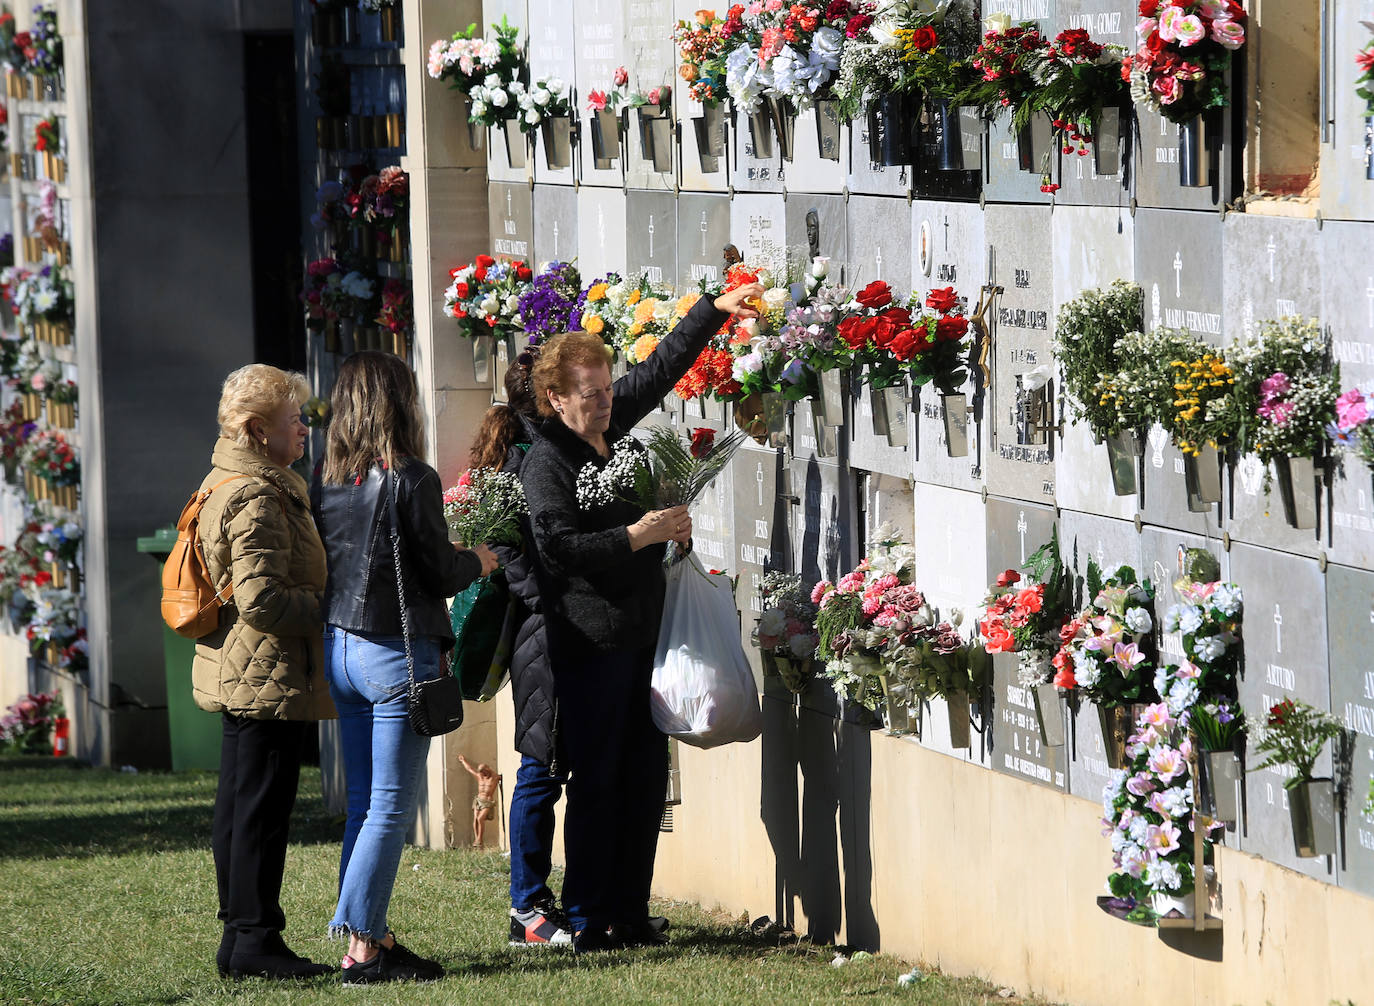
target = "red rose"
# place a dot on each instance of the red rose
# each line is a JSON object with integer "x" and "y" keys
{"x": 1149, "y": 8}
{"x": 522, "y": 271}
{"x": 484, "y": 261}
{"x": 480, "y": 274}
{"x": 702, "y": 439}
{"x": 942, "y": 299}
{"x": 461, "y": 290}
{"x": 924, "y": 39}
{"x": 857, "y": 25}
{"x": 877, "y": 294}
{"x": 951, "y": 328}
{"x": 855, "y": 331}
{"x": 1007, "y": 578}
{"x": 898, "y": 316}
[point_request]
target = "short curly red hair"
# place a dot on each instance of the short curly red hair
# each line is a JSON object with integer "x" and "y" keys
{"x": 557, "y": 357}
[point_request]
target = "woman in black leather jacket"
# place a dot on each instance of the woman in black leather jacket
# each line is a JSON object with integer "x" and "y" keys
{"x": 601, "y": 581}
{"x": 372, "y": 485}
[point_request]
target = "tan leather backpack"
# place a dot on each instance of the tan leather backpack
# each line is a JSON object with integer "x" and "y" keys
{"x": 190, "y": 603}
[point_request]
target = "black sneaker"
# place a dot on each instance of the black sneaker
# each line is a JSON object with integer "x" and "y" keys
{"x": 279, "y": 966}
{"x": 390, "y": 966}
{"x": 594, "y": 938}
{"x": 638, "y": 934}
{"x": 542, "y": 926}
{"x": 659, "y": 924}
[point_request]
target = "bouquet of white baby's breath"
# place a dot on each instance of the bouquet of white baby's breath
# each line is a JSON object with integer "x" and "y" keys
{"x": 485, "y": 507}
{"x": 666, "y": 472}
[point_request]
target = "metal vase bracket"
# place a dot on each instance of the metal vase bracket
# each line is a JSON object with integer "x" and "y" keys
{"x": 1117, "y": 723}
{"x": 515, "y": 143}
{"x": 784, "y": 116}
{"x": 710, "y": 134}
{"x": 957, "y": 708}
{"x": 761, "y": 132}
{"x": 556, "y": 131}
{"x": 1297, "y": 479}
{"x": 877, "y": 405}
{"x": 891, "y": 123}
{"x": 828, "y": 129}
{"x": 957, "y": 135}
{"x": 1202, "y": 474}
{"x": 1122, "y": 451}
{"x": 1224, "y": 781}
{"x": 827, "y": 437}
{"x": 481, "y": 358}
{"x": 1107, "y": 141}
{"x": 1312, "y": 810}
{"x": 477, "y": 135}
{"x": 1049, "y": 713}
{"x": 1197, "y": 148}
{"x": 828, "y": 405}
{"x": 898, "y": 414}
{"x": 775, "y": 418}
{"x": 956, "y": 424}
{"x": 1369, "y": 147}
{"x": 1033, "y": 142}
{"x": 605, "y": 137}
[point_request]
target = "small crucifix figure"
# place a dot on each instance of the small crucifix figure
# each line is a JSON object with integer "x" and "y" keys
{"x": 1022, "y": 527}
{"x": 758, "y": 479}
{"x": 703, "y": 227}
{"x": 484, "y": 803}
{"x": 1178, "y": 273}
{"x": 1271, "y": 247}
{"x": 1278, "y": 630}
{"x": 651, "y": 236}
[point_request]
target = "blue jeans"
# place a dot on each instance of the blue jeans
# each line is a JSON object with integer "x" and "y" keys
{"x": 383, "y": 759}
{"x": 531, "y": 832}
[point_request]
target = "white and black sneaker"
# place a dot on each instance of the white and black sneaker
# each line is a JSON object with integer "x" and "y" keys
{"x": 541, "y": 926}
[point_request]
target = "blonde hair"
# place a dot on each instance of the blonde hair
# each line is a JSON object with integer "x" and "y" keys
{"x": 374, "y": 416}
{"x": 557, "y": 357}
{"x": 256, "y": 391}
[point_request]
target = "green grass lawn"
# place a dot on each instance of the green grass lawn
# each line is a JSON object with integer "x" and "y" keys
{"x": 108, "y": 896}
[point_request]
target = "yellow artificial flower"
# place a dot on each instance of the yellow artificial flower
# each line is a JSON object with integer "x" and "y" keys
{"x": 644, "y": 312}
{"x": 644, "y": 346}
{"x": 686, "y": 302}
{"x": 633, "y": 298}
{"x": 636, "y": 328}
{"x": 593, "y": 324}
{"x": 598, "y": 291}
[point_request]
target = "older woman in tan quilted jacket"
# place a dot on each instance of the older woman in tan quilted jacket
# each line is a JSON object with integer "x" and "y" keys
{"x": 262, "y": 668}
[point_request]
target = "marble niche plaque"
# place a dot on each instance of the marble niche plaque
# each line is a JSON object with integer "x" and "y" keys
{"x": 555, "y": 225}
{"x": 809, "y": 171}
{"x": 1350, "y": 637}
{"x": 498, "y": 163}
{"x": 1156, "y": 165}
{"x": 1003, "y": 179}
{"x": 1348, "y": 308}
{"x": 703, "y": 222}
{"x": 825, "y": 217}
{"x": 1109, "y": 22}
{"x": 552, "y": 48}
{"x": 1110, "y": 543}
{"x": 1020, "y": 456}
{"x": 511, "y": 220}
{"x": 1093, "y": 245}
{"x": 599, "y": 47}
{"x": 600, "y": 232}
{"x": 1347, "y": 194}
{"x": 651, "y": 236}
{"x": 761, "y": 531}
{"x": 1285, "y": 658}
{"x": 1015, "y": 530}
{"x": 713, "y": 524}
{"x": 951, "y": 541}
{"x": 650, "y": 54}
{"x": 948, "y": 251}
{"x": 758, "y": 229}
{"x": 1179, "y": 266}
{"x": 866, "y": 175}
{"x": 754, "y": 168}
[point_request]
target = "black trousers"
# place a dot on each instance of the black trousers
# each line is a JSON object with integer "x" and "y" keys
{"x": 259, "y": 769}
{"x": 618, "y": 765}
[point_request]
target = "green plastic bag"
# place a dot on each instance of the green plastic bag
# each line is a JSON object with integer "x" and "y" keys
{"x": 482, "y": 622}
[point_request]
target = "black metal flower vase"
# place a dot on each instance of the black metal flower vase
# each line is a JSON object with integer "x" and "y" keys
{"x": 891, "y": 129}
{"x": 1197, "y": 150}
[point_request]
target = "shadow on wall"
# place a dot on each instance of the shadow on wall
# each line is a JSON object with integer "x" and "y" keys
{"x": 817, "y": 818}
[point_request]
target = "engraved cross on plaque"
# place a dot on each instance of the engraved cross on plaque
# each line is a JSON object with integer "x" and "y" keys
{"x": 1278, "y": 630}
{"x": 1021, "y": 527}
{"x": 510, "y": 213}
{"x": 946, "y": 232}
{"x": 651, "y": 236}
{"x": 1270, "y": 247}
{"x": 878, "y": 261}
{"x": 1178, "y": 273}
{"x": 555, "y": 240}
{"x": 601, "y": 226}
{"x": 702, "y": 228}
{"x": 758, "y": 479}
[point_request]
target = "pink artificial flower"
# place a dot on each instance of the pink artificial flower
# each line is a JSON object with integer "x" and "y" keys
{"x": 653, "y": 96}
{"x": 621, "y": 77}
{"x": 1166, "y": 88}
{"x": 1228, "y": 34}
{"x": 1275, "y": 385}
{"x": 38, "y": 382}
{"x": 1126, "y": 656}
{"x": 1168, "y": 23}
{"x": 770, "y": 45}
{"x": 596, "y": 100}
{"x": 1352, "y": 409}
{"x": 1157, "y": 716}
{"x": 1161, "y": 840}
{"x": 820, "y": 590}
{"x": 1139, "y": 784}
{"x": 1167, "y": 763}
{"x": 1144, "y": 28}
{"x": 1189, "y": 29}
{"x": 754, "y": 9}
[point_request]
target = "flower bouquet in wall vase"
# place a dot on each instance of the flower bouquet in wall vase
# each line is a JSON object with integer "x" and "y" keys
{"x": 491, "y": 72}
{"x": 654, "y": 111}
{"x": 546, "y": 107}
{"x": 605, "y": 119}
{"x": 701, "y": 46}
{"x": 1293, "y": 737}
{"x": 484, "y": 299}
{"x": 1180, "y": 71}
{"x": 1219, "y": 728}
{"x": 786, "y": 631}
{"x": 1364, "y": 64}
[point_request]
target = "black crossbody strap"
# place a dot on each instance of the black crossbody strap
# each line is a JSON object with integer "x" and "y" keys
{"x": 400, "y": 586}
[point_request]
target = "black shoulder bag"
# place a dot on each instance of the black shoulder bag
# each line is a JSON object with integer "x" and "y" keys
{"x": 434, "y": 707}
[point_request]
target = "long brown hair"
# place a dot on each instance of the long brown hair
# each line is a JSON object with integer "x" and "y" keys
{"x": 501, "y": 427}
{"x": 374, "y": 415}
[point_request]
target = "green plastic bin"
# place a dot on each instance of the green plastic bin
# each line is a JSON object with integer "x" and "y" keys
{"x": 195, "y": 734}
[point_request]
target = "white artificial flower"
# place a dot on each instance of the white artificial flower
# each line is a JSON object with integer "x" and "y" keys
{"x": 1000, "y": 21}
{"x": 1138, "y": 620}
{"x": 532, "y": 116}
{"x": 1190, "y": 619}
{"x": 512, "y": 303}
{"x": 1209, "y": 648}
{"x": 774, "y": 298}
{"x": 662, "y": 310}
{"x": 479, "y": 109}
{"x": 820, "y": 266}
{"x": 801, "y": 645}
{"x": 491, "y": 81}
{"x": 498, "y": 97}
{"x": 489, "y": 305}
{"x": 540, "y": 96}
{"x": 556, "y": 86}
{"x": 1227, "y": 599}
{"x": 772, "y": 622}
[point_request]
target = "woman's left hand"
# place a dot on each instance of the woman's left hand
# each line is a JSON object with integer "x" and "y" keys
{"x": 736, "y": 301}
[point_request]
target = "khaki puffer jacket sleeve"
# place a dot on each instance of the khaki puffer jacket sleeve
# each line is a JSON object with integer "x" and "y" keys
{"x": 260, "y": 551}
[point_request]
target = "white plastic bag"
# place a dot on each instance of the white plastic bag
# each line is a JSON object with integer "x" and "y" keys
{"x": 703, "y": 689}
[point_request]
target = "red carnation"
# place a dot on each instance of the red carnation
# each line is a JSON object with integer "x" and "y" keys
{"x": 1007, "y": 577}
{"x": 461, "y": 290}
{"x": 877, "y": 294}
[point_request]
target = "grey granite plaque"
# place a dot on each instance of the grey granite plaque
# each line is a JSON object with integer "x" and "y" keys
{"x": 948, "y": 251}
{"x": 809, "y": 171}
{"x": 552, "y": 53}
{"x": 1348, "y": 308}
{"x": 650, "y": 55}
{"x": 1092, "y": 247}
{"x": 1178, "y": 260}
{"x": 1109, "y": 22}
{"x": 1020, "y": 460}
{"x": 713, "y": 522}
{"x": 879, "y": 243}
{"x": 827, "y": 217}
{"x": 866, "y": 175}
{"x": 598, "y": 37}
{"x": 703, "y": 223}
{"x": 758, "y": 229}
{"x": 1256, "y": 516}
{"x": 511, "y": 221}
{"x": 651, "y": 236}
{"x": 762, "y": 520}
{"x": 823, "y": 520}
{"x": 600, "y": 231}
{"x": 1347, "y": 194}
{"x": 1156, "y": 165}
{"x": 498, "y": 166}
{"x": 1285, "y": 633}
{"x": 1004, "y": 179}
{"x": 869, "y": 449}
{"x": 555, "y": 224}
{"x": 1350, "y": 638}
{"x": 1272, "y": 268}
